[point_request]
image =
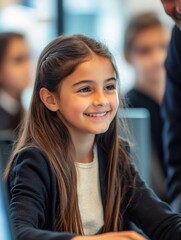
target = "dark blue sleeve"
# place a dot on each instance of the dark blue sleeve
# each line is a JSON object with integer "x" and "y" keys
{"x": 154, "y": 217}
{"x": 171, "y": 113}
{"x": 33, "y": 189}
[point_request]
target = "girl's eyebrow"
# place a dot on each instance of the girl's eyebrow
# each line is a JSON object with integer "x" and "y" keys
{"x": 91, "y": 81}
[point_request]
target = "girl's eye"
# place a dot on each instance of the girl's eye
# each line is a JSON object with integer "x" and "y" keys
{"x": 85, "y": 90}
{"x": 110, "y": 87}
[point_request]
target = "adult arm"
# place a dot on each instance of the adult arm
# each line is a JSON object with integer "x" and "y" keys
{"x": 171, "y": 113}
{"x": 153, "y": 216}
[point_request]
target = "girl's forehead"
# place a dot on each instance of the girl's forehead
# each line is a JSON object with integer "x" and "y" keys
{"x": 93, "y": 68}
{"x": 97, "y": 63}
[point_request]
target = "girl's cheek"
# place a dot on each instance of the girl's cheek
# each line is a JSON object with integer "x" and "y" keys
{"x": 79, "y": 108}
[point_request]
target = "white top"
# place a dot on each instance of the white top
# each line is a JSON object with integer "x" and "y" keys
{"x": 89, "y": 196}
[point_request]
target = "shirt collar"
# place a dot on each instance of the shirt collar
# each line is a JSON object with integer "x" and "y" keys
{"x": 8, "y": 103}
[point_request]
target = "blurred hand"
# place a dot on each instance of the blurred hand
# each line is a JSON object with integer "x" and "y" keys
{"x": 173, "y": 9}
{"x": 125, "y": 235}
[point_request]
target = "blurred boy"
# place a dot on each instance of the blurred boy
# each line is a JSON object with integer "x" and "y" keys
{"x": 145, "y": 48}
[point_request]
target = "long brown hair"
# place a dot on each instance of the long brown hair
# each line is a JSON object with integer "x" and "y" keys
{"x": 45, "y": 130}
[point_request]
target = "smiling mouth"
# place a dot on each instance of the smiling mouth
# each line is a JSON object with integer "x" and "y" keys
{"x": 102, "y": 114}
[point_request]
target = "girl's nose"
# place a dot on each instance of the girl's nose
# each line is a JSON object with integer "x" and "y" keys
{"x": 100, "y": 99}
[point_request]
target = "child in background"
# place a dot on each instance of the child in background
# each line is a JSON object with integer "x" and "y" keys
{"x": 15, "y": 73}
{"x": 70, "y": 176}
{"x": 145, "y": 48}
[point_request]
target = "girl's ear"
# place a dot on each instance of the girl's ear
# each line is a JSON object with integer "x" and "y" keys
{"x": 48, "y": 99}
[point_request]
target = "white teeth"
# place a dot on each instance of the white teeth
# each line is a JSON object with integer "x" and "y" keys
{"x": 96, "y": 114}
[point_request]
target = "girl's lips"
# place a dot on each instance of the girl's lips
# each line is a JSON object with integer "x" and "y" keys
{"x": 101, "y": 114}
{"x": 97, "y": 116}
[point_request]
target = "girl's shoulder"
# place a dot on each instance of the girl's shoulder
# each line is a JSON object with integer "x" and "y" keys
{"x": 31, "y": 161}
{"x": 30, "y": 150}
{"x": 33, "y": 154}
{"x": 31, "y": 174}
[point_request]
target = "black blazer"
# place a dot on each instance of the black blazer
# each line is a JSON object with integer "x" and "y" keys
{"x": 171, "y": 113}
{"x": 34, "y": 194}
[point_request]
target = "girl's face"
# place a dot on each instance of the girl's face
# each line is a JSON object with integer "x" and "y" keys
{"x": 88, "y": 98}
{"x": 16, "y": 68}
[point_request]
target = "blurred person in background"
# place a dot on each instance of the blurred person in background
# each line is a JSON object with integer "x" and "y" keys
{"x": 15, "y": 76}
{"x": 171, "y": 108}
{"x": 145, "y": 48}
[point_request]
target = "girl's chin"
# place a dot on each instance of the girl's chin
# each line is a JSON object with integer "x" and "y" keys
{"x": 99, "y": 131}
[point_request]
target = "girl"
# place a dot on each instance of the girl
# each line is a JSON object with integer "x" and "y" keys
{"x": 70, "y": 176}
{"x": 14, "y": 78}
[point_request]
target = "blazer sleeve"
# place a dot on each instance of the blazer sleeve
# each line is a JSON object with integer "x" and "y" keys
{"x": 153, "y": 216}
{"x": 29, "y": 184}
{"x": 171, "y": 114}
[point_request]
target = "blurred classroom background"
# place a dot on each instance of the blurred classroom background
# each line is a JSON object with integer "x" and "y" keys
{"x": 42, "y": 20}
